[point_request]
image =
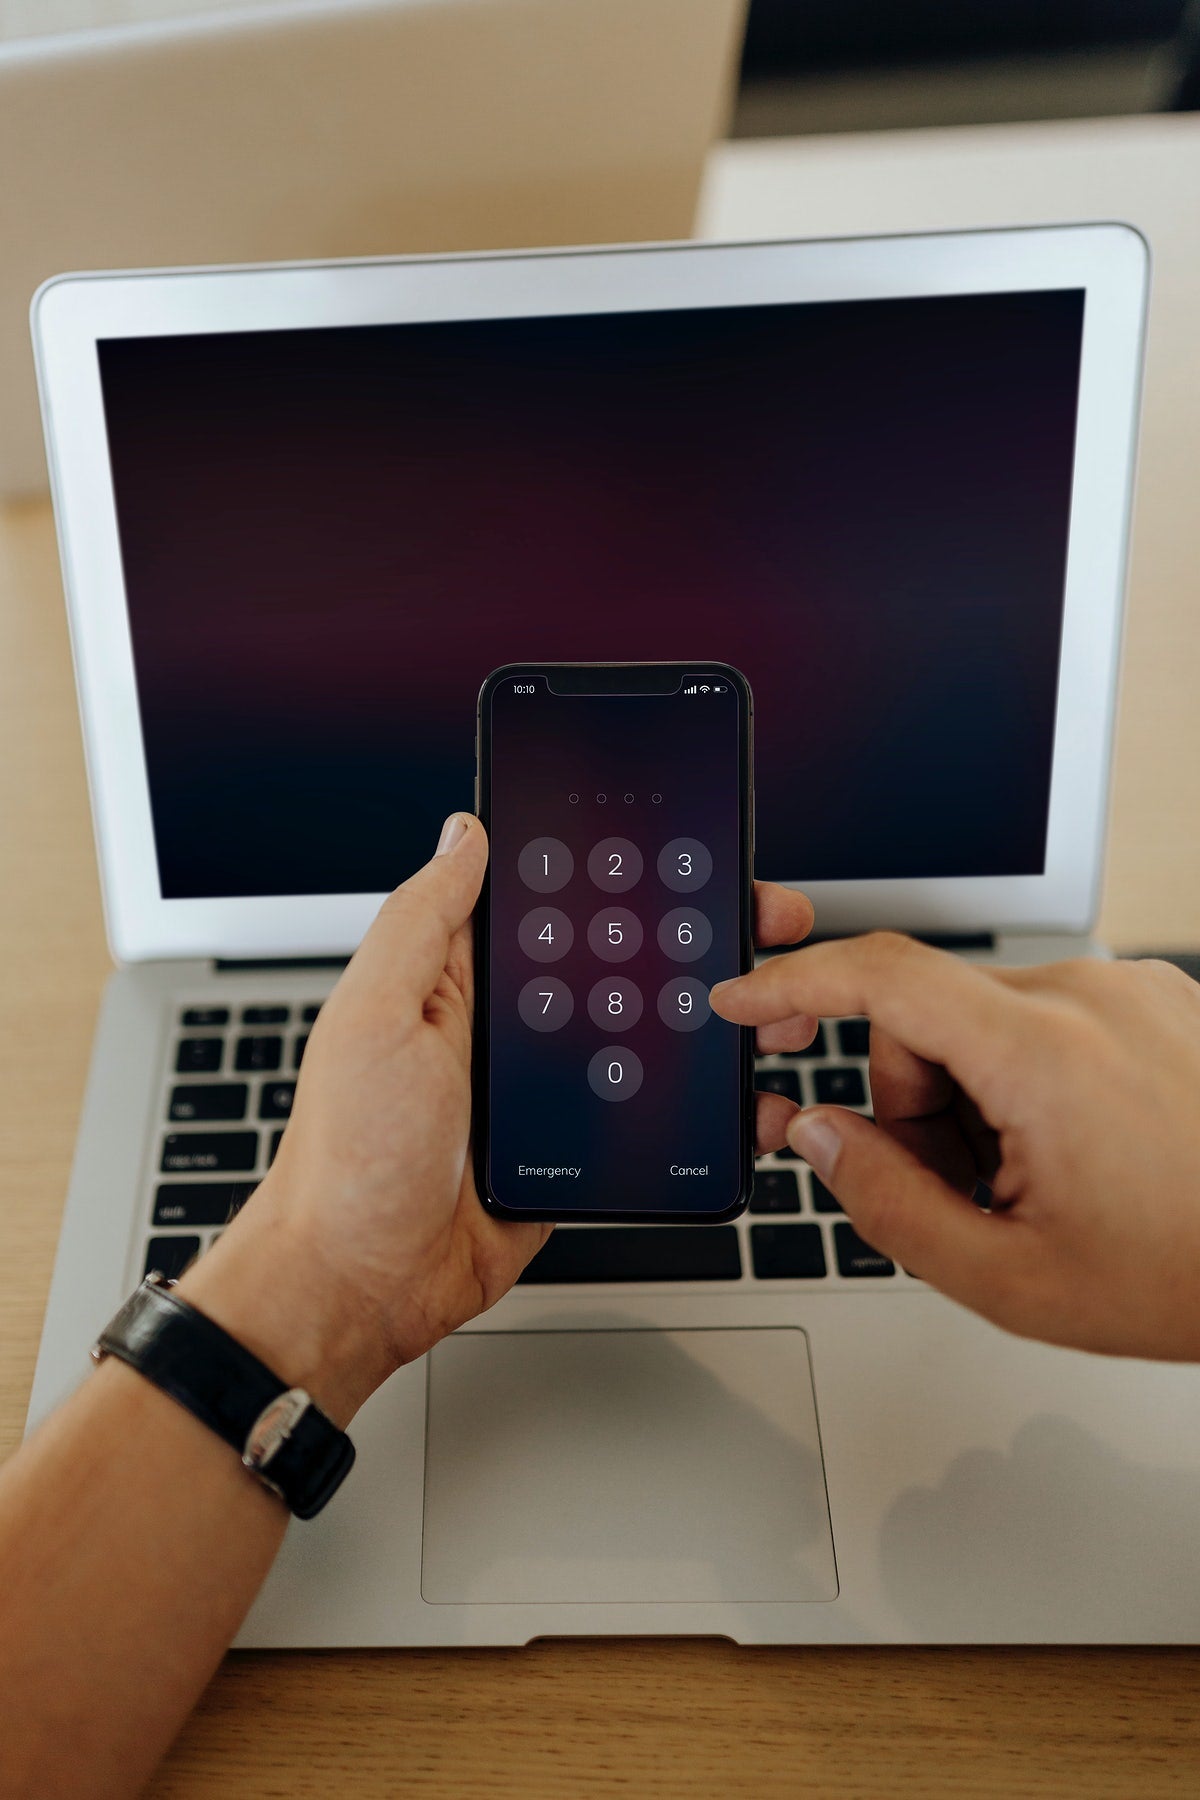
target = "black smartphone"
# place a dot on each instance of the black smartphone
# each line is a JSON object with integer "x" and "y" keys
{"x": 618, "y": 800}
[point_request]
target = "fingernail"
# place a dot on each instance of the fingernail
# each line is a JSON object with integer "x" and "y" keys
{"x": 453, "y": 832}
{"x": 816, "y": 1140}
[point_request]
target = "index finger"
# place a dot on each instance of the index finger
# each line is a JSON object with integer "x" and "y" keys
{"x": 946, "y": 1010}
{"x": 905, "y": 1086}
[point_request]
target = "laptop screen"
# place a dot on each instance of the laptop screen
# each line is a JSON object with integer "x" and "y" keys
{"x": 331, "y": 536}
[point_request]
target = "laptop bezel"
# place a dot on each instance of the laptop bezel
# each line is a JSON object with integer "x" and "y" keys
{"x": 71, "y": 313}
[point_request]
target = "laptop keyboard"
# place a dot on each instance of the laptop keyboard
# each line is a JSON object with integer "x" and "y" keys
{"x": 231, "y": 1077}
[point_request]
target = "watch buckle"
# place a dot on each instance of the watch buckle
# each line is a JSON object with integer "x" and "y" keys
{"x": 272, "y": 1428}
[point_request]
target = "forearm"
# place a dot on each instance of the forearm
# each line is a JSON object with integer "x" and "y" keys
{"x": 132, "y": 1542}
{"x": 132, "y": 1539}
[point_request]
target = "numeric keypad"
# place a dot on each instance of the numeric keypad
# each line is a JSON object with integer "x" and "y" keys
{"x": 615, "y": 1073}
{"x": 684, "y": 934}
{"x": 685, "y": 865}
{"x": 683, "y": 1004}
{"x": 615, "y": 865}
{"x": 545, "y": 934}
{"x": 615, "y": 1004}
{"x": 546, "y": 1003}
{"x": 545, "y": 865}
{"x": 616, "y": 933}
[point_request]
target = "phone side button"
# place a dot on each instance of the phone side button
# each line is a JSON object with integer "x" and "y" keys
{"x": 638, "y": 1253}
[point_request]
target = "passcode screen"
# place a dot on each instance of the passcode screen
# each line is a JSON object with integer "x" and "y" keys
{"x": 616, "y": 899}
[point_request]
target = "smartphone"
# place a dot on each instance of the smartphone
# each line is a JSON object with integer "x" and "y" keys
{"x": 618, "y": 800}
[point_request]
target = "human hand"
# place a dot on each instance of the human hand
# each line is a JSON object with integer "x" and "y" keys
{"x": 366, "y": 1242}
{"x": 1069, "y": 1089}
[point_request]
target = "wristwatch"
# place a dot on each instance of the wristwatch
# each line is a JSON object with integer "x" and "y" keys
{"x": 279, "y": 1432}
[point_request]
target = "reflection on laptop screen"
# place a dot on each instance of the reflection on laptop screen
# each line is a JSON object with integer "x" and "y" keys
{"x": 331, "y": 536}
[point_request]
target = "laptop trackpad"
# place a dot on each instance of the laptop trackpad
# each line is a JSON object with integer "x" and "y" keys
{"x": 624, "y": 1465}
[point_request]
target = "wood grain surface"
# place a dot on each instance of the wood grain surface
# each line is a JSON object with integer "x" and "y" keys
{"x": 596, "y": 1718}
{"x": 686, "y": 1719}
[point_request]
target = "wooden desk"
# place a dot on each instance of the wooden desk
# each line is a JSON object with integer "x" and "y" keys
{"x": 696, "y": 1718}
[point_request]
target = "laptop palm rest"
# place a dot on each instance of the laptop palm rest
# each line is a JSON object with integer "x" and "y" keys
{"x": 624, "y": 1465}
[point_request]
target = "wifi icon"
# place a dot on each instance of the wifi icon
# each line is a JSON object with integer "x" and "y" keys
{"x": 704, "y": 690}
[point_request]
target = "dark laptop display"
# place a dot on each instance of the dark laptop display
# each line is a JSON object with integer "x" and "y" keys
{"x": 331, "y": 536}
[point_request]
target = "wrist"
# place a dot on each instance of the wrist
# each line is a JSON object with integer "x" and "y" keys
{"x": 268, "y": 1284}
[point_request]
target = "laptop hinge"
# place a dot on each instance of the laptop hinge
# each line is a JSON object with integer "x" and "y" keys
{"x": 960, "y": 941}
{"x": 957, "y": 940}
{"x": 232, "y": 965}
{"x": 943, "y": 940}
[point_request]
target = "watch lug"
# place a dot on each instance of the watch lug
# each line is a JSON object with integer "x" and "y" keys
{"x": 272, "y": 1428}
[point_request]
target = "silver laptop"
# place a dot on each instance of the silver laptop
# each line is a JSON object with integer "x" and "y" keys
{"x": 165, "y": 131}
{"x": 303, "y": 510}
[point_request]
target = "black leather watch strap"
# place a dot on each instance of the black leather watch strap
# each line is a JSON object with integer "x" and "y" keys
{"x": 280, "y": 1434}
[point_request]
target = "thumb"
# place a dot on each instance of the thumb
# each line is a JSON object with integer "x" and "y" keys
{"x": 901, "y": 1207}
{"x": 450, "y": 881}
{"x": 415, "y": 924}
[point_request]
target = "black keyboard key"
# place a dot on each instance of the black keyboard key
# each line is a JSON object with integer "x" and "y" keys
{"x": 309, "y": 1015}
{"x": 638, "y": 1253}
{"x": 298, "y": 1052}
{"x": 211, "y": 1100}
{"x": 209, "y": 1152}
{"x": 787, "y": 1252}
{"x": 854, "y": 1037}
{"x": 199, "y": 1056}
{"x": 839, "y": 1087}
{"x": 273, "y": 1148}
{"x": 779, "y": 1081}
{"x": 823, "y": 1201}
{"x": 816, "y": 1048}
{"x": 775, "y": 1191}
{"x": 856, "y": 1258}
{"x": 204, "y": 1015}
{"x": 265, "y": 1015}
{"x": 276, "y": 1100}
{"x": 200, "y": 1202}
{"x": 787, "y": 1154}
{"x": 171, "y": 1255}
{"x": 259, "y": 1054}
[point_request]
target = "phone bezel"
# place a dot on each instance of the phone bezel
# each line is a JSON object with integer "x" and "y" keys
{"x": 482, "y": 1040}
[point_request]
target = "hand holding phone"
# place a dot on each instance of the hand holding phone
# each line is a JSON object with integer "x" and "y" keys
{"x": 617, "y": 799}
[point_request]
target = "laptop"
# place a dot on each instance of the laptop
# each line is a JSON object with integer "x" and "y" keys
{"x": 303, "y": 511}
{"x": 165, "y": 131}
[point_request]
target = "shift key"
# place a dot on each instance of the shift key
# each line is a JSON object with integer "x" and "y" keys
{"x": 208, "y": 1152}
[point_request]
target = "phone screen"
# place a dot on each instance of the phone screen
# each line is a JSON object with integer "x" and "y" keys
{"x": 618, "y": 893}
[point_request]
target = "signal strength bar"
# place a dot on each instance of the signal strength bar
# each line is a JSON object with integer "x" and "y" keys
{"x": 691, "y": 690}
